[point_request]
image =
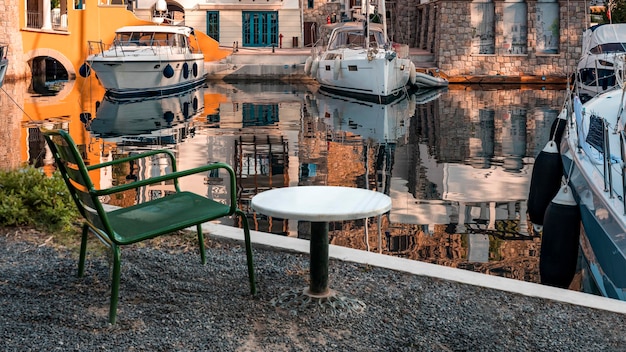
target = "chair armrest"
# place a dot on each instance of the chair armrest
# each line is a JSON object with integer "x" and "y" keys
{"x": 174, "y": 176}
{"x": 135, "y": 157}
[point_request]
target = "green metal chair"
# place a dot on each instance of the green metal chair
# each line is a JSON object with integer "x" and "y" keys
{"x": 142, "y": 221}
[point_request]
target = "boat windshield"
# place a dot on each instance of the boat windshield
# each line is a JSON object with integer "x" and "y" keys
{"x": 151, "y": 39}
{"x": 608, "y": 48}
{"x": 354, "y": 39}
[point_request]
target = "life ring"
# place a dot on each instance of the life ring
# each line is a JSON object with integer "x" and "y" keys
{"x": 307, "y": 65}
{"x": 412, "y": 74}
{"x": 314, "y": 67}
{"x": 336, "y": 68}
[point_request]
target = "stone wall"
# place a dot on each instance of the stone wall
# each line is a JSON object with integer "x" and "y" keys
{"x": 10, "y": 33}
{"x": 443, "y": 28}
{"x": 10, "y": 117}
{"x": 454, "y": 33}
{"x": 319, "y": 13}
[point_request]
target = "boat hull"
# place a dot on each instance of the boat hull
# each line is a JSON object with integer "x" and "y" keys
{"x": 146, "y": 77}
{"x": 146, "y": 119}
{"x": 603, "y": 234}
{"x": 379, "y": 80}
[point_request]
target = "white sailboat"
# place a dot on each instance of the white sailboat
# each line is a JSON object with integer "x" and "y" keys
{"x": 359, "y": 60}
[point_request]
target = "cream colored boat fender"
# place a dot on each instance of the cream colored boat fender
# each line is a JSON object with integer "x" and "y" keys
{"x": 336, "y": 68}
{"x": 307, "y": 65}
{"x": 314, "y": 67}
{"x": 412, "y": 103}
{"x": 412, "y": 73}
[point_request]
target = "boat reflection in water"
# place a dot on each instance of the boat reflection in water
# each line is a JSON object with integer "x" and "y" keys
{"x": 160, "y": 121}
{"x": 458, "y": 179}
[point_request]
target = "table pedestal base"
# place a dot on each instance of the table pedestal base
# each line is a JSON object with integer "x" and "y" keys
{"x": 300, "y": 301}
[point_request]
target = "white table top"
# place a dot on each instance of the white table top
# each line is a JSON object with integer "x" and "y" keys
{"x": 321, "y": 203}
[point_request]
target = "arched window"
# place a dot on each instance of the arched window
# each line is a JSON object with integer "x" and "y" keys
{"x": 548, "y": 31}
{"x": 483, "y": 27}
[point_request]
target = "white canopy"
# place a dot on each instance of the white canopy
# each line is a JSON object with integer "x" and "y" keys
{"x": 604, "y": 34}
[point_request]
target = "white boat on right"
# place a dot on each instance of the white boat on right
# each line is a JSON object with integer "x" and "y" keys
{"x": 593, "y": 151}
{"x": 601, "y": 44}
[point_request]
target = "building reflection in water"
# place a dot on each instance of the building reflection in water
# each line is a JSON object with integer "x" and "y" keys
{"x": 457, "y": 162}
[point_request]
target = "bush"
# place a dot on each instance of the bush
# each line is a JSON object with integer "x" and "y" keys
{"x": 30, "y": 198}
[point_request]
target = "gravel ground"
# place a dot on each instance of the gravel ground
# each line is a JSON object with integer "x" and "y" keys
{"x": 170, "y": 302}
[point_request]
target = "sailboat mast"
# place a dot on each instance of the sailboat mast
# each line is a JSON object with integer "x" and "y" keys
{"x": 382, "y": 11}
{"x": 367, "y": 24}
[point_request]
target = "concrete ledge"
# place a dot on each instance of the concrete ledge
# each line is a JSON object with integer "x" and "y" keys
{"x": 426, "y": 269}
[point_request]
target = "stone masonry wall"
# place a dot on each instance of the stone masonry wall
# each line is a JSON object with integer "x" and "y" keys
{"x": 454, "y": 36}
{"x": 10, "y": 33}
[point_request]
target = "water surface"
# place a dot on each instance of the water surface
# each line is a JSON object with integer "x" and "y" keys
{"x": 456, "y": 162}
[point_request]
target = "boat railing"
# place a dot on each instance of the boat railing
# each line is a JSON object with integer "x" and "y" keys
{"x": 610, "y": 159}
{"x": 608, "y": 174}
{"x": 135, "y": 48}
{"x": 622, "y": 140}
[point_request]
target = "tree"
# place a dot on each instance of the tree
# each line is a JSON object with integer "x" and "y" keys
{"x": 617, "y": 10}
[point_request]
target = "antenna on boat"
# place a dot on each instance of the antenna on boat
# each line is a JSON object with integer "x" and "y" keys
{"x": 161, "y": 8}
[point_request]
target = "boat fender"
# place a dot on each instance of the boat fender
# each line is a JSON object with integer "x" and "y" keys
{"x": 412, "y": 73}
{"x": 195, "y": 69}
{"x": 186, "y": 110}
{"x": 185, "y": 70}
{"x": 559, "y": 243}
{"x": 168, "y": 116}
{"x": 314, "y": 67}
{"x": 168, "y": 71}
{"x": 336, "y": 68}
{"x": 85, "y": 117}
{"x": 544, "y": 182}
{"x": 307, "y": 65}
{"x": 84, "y": 70}
{"x": 557, "y": 129}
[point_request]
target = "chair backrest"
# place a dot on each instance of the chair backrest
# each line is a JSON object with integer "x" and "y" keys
{"x": 75, "y": 173}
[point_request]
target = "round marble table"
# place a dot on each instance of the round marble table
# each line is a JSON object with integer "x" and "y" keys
{"x": 320, "y": 204}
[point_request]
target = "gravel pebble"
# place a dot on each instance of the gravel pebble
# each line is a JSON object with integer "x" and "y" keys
{"x": 169, "y": 301}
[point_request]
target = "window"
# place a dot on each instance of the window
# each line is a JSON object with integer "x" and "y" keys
{"x": 483, "y": 27}
{"x": 260, "y": 28}
{"x": 259, "y": 114}
{"x": 548, "y": 32}
{"x": 515, "y": 22}
{"x": 310, "y": 4}
{"x": 213, "y": 24}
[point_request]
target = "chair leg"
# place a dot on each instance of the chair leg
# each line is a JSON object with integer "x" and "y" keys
{"x": 246, "y": 232}
{"x": 201, "y": 244}
{"x": 115, "y": 284}
{"x": 83, "y": 250}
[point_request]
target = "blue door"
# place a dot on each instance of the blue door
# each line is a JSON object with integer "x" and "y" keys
{"x": 260, "y": 28}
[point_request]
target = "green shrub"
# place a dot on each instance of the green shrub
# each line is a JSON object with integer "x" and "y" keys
{"x": 30, "y": 198}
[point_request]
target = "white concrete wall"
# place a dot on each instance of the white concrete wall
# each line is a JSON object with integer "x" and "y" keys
{"x": 289, "y": 17}
{"x": 290, "y": 25}
{"x": 230, "y": 27}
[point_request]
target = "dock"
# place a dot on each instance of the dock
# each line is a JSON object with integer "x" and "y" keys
{"x": 288, "y": 65}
